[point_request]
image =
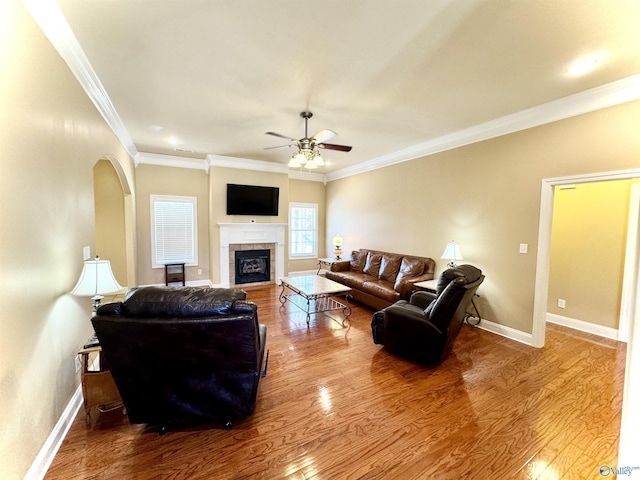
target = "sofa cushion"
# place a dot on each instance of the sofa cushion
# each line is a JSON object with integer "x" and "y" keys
{"x": 168, "y": 302}
{"x": 358, "y": 257}
{"x": 350, "y": 279}
{"x": 372, "y": 265}
{"x": 389, "y": 267}
{"x": 409, "y": 268}
{"x": 381, "y": 289}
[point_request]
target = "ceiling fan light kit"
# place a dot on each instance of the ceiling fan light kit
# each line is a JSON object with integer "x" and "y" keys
{"x": 308, "y": 154}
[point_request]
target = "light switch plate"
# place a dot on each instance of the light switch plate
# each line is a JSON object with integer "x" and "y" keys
{"x": 524, "y": 247}
{"x": 86, "y": 253}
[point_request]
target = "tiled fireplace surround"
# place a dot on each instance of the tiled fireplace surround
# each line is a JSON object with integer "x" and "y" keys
{"x": 251, "y": 236}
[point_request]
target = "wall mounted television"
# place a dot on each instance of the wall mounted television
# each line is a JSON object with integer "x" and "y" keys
{"x": 252, "y": 200}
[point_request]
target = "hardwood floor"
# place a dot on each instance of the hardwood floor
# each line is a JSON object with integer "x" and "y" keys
{"x": 335, "y": 406}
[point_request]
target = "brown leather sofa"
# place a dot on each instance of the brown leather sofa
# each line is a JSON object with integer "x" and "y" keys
{"x": 379, "y": 279}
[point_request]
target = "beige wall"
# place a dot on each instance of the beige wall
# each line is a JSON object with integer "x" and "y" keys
{"x": 156, "y": 180}
{"x": 52, "y": 136}
{"x": 486, "y": 197}
{"x": 588, "y": 250}
{"x": 309, "y": 192}
{"x": 110, "y": 229}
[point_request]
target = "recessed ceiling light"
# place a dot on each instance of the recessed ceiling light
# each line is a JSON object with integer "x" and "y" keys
{"x": 584, "y": 65}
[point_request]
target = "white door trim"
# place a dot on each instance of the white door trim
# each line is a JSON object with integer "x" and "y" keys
{"x": 630, "y": 427}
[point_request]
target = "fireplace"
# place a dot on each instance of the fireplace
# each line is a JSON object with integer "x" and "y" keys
{"x": 252, "y": 266}
{"x": 251, "y": 236}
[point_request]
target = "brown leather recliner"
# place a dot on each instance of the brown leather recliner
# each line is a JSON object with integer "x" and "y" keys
{"x": 182, "y": 356}
{"x": 423, "y": 328}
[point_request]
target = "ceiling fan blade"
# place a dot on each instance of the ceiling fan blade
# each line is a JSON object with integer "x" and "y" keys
{"x": 279, "y": 146}
{"x": 281, "y": 136}
{"x": 332, "y": 146}
{"x": 323, "y": 135}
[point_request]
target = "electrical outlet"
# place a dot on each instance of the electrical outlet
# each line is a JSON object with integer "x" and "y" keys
{"x": 524, "y": 247}
{"x": 562, "y": 303}
{"x": 78, "y": 363}
{"x": 199, "y": 271}
{"x": 86, "y": 253}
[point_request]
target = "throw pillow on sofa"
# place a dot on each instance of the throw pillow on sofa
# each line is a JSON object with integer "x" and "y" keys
{"x": 409, "y": 268}
{"x": 358, "y": 257}
{"x": 372, "y": 265}
{"x": 389, "y": 267}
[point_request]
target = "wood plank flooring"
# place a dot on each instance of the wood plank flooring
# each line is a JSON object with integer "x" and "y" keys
{"x": 336, "y": 406}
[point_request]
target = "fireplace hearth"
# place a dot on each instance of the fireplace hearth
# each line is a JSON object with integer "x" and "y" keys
{"x": 252, "y": 266}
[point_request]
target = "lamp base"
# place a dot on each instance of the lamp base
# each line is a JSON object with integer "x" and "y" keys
{"x": 452, "y": 265}
{"x": 337, "y": 252}
{"x": 96, "y": 302}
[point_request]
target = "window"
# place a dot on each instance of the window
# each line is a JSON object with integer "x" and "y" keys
{"x": 174, "y": 233}
{"x": 303, "y": 230}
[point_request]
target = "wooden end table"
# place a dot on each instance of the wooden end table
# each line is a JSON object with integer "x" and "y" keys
{"x": 98, "y": 388}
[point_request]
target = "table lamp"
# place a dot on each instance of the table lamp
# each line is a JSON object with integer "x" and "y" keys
{"x": 452, "y": 253}
{"x": 337, "y": 243}
{"x": 96, "y": 280}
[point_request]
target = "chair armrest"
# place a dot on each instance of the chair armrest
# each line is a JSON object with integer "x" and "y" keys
{"x": 341, "y": 266}
{"x": 422, "y": 299}
{"x": 405, "y": 286}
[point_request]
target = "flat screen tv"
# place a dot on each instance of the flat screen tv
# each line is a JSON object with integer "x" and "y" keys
{"x": 252, "y": 200}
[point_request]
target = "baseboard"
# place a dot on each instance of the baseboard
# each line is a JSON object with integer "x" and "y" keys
{"x": 48, "y": 451}
{"x": 583, "y": 326}
{"x": 508, "y": 332}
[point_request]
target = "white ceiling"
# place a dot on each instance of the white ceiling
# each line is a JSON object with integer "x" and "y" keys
{"x": 385, "y": 74}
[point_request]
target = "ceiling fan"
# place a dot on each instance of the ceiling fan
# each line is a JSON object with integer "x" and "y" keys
{"x": 308, "y": 154}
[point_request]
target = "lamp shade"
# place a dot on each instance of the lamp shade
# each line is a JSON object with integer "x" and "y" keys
{"x": 338, "y": 241}
{"x": 452, "y": 252}
{"x": 300, "y": 157}
{"x": 293, "y": 163}
{"x": 96, "y": 279}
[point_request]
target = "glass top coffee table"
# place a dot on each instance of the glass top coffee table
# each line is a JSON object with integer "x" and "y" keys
{"x": 315, "y": 294}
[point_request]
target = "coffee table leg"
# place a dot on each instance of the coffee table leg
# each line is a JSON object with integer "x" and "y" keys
{"x": 346, "y": 310}
{"x": 308, "y": 311}
{"x": 282, "y": 297}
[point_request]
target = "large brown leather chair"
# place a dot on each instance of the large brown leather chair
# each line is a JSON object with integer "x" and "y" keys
{"x": 182, "y": 356}
{"x": 424, "y": 328}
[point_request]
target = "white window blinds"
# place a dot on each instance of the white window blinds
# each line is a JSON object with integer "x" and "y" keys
{"x": 303, "y": 230}
{"x": 173, "y": 230}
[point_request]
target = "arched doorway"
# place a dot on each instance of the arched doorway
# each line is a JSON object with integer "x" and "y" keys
{"x": 113, "y": 227}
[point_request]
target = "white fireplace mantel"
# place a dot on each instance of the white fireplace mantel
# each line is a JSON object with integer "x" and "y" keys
{"x": 245, "y": 233}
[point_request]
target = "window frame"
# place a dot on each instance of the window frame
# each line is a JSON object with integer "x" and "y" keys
{"x": 302, "y": 256}
{"x": 189, "y": 262}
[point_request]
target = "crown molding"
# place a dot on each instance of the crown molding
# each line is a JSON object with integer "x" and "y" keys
{"x": 262, "y": 166}
{"x": 608, "y": 95}
{"x": 145, "y": 158}
{"x": 49, "y": 17}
